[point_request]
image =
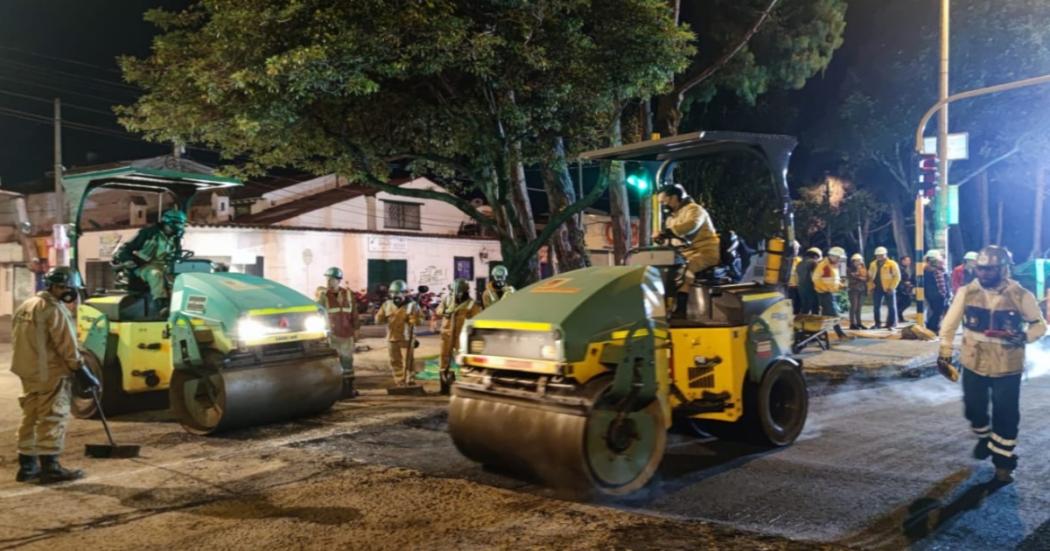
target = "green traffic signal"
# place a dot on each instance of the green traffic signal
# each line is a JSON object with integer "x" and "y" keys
{"x": 638, "y": 176}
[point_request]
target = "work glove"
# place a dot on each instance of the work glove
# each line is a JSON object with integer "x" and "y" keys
{"x": 945, "y": 367}
{"x": 86, "y": 379}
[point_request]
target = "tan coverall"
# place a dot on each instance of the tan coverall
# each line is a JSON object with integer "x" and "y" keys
{"x": 692, "y": 222}
{"x": 156, "y": 253}
{"x": 453, "y": 316}
{"x": 492, "y": 296}
{"x": 44, "y": 356}
{"x": 398, "y": 319}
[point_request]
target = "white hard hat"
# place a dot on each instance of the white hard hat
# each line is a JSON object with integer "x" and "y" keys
{"x": 934, "y": 254}
{"x": 881, "y": 251}
{"x": 972, "y": 255}
{"x": 837, "y": 251}
{"x": 856, "y": 256}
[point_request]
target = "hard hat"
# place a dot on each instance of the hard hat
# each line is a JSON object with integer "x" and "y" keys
{"x": 63, "y": 275}
{"x": 856, "y": 256}
{"x": 334, "y": 272}
{"x": 174, "y": 217}
{"x": 460, "y": 285}
{"x": 500, "y": 272}
{"x": 674, "y": 189}
{"x": 397, "y": 286}
{"x": 994, "y": 255}
{"x": 971, "y": 255}
{"x": 814, "y": 250}
{"x": 881, "y": 251}
{"x": 836, "y": 251}
{"x": 934, "y": 254}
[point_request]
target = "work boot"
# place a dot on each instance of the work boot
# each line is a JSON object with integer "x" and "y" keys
{"x": 446, "y": 383}
{"x": 1004, "y": 475}
{"x": 51, "y": 471}
{"x": 28, "y": 468}
{"x": 981, "y": 451}
{"x": 348, "y": 389}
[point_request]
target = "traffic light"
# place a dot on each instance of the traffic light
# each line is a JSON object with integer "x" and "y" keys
{"x": 929, "y": 174}
{"x": 638, "y": 176}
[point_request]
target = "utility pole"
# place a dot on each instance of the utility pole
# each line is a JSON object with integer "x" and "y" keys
{"x": 60, "y": 215}
{"x": 941, "y": 217}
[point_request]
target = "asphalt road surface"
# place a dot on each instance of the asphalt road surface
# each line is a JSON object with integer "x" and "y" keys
{"x": 882, "y": 467}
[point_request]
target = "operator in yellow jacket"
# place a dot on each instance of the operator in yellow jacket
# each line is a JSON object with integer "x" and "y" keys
{"x": 884, "y": 275}
{"x": 45, "y": 358}
{"x": 454, "y": 310}
{"x": 827, "y": 281}
{"x": 689, "y": 222}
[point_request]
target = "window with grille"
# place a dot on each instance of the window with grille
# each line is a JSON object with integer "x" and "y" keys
{"x": 401, "y": 216}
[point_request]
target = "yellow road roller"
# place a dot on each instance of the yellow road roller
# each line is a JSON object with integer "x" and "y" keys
{"x": 575, "y": 380}
{"x": 227, "y": 350}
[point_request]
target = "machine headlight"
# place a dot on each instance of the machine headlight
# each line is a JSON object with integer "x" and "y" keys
{"x": 549, "y": 352}
{"x": 315, "y": 324}
{"x": 249, "y": 329}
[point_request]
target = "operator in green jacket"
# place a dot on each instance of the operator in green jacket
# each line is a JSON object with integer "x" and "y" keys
{"x": 150, "y": 255}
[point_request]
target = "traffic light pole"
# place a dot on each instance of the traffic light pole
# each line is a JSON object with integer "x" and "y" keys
{"x": 941, "y": 220}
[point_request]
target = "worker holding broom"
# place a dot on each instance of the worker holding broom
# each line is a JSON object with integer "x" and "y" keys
{"x": 45, "y": 358}
{"x": 401, "y": 314}
{"x": 454, "y": 311}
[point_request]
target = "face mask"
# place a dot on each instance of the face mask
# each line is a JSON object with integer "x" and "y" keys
{"x": 399, "y": 300}
{"x": 68, "y": 297}
{"x": 498, "y": 283}
{"x": 990, "y": 279}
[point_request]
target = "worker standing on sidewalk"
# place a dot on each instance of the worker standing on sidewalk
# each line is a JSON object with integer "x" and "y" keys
{"x": 883, "y": 278}
{"x": 45, "y": 358}
{"x": 827, "y": 281}
{"x": 858, "y": 289}
{"x": 999, "y": 317}
{"x": 343, "y": 323}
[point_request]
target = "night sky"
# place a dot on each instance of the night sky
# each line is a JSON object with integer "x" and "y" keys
{"x": 67, "y": 48}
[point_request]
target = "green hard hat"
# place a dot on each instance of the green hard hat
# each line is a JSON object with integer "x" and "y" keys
{"x": 500, "y": 272}
{"x": 460, "y": 286}
{"x": 334, "y": 272}
{"x": 63, "y": 275}
{"x": 398, "y": 286}
{"x": 174, "y": 217}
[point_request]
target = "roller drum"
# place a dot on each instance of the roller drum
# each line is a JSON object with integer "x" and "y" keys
{"x": 583, "y": 449}
{"x": 217, "y": 400}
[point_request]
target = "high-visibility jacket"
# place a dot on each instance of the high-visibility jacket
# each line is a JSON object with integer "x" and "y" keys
{"x": 43, "y": 341}
{"x": 1008, "y": 307}
{"x": 398, "y": 319}
{"x": 341, "y": 309}
{"x": 493, "y": 295}
{"x": 453, "y": 315}
{"x": 793, "y": 278}
{"x": 889, "y": 275}
{"x": 826, "y": 277}
{"x": 693, "y": 223}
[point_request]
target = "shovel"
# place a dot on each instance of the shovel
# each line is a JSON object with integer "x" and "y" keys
{"x": 111, "y": 450}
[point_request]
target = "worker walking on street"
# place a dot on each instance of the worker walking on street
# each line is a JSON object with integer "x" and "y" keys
{"x": 454, "y": 310}
{"x": 964, "y": 273}
{"x": 857, "y": 277}
{"x": 497, "y": 287}
{"x": 884, "y": 276}
{"x": 45, "y": 358}
{"x": 690, "y": 223}
{"x": 937, "y": 288}
{"x": 343, "y": 323}
{"x": 806, "y": 291}
{"x": 999, "y": 317}
{"x": 401, "y": 316}
{"x": 150, "y": 254}
{"x": 827, "y": 281}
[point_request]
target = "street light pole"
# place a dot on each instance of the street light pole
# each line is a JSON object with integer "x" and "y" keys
{"x": 941, "y": 220}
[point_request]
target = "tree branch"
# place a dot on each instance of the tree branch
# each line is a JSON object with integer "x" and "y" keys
{"x": 461, "y": 204}
{"x": 560, "y": 217}
{"x": 990, "y": 164}
{"x": 694, "y": 80}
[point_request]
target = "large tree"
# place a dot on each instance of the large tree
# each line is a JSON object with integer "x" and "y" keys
{"x": 466, "y": 92}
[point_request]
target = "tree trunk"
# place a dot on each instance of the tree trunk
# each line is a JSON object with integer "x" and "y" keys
{"x": 569, "y": 240}
{"x": 999, "y": 223}
{"x": 956, "y": 244}
{"x": 900, "y": 229}
{"x": 984, "y": 206}
{"x": 1037, "y": 222}
{"x": 619, "y": 206}
{"x": 520, "y": 219}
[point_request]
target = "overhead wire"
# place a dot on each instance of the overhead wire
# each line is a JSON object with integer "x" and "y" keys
{"x": 119, "y": 86}
{"x": 59, "y": 58}
{"x": 65, "y": 104}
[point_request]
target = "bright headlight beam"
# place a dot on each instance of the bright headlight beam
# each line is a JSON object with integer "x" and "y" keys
{"x": 315, "y": 324}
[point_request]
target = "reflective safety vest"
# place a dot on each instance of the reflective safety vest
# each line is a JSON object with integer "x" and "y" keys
{"x": 492, "y": 295}
{"x": 826, "y": 277}
{"x": 341, "y": 309}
